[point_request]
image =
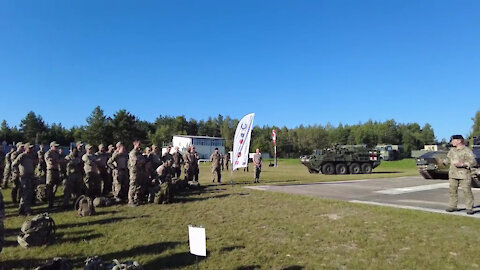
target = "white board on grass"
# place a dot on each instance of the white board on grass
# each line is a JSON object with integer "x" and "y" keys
{"x": 197, "y": 240}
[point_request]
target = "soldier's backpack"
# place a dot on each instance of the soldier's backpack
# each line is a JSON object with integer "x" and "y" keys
{"x": 41, "y": 193}
{"x": 38, "y": 231}
{"x": 84, "y": 206}
{"x": 193, "y": 185}
{"x": 56, "y": 264}
{"x": 96, "y": 263}
{"x": 102, "y": 202}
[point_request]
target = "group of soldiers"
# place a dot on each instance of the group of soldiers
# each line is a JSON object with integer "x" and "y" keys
{"x": 135, "y": 177}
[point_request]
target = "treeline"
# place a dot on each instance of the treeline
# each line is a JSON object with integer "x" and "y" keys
{"x": 126, "y": 127}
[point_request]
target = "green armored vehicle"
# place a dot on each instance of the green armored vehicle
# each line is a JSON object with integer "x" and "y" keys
{"x": 431, "y": 165}
{"x": 342, "y": 159}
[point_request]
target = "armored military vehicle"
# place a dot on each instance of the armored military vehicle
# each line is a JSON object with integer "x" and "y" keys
{"x": 431, "y": 165}
{"x": 342, "y": 159}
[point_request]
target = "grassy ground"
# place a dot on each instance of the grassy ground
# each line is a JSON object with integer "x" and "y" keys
{"x": 248, "y": 229}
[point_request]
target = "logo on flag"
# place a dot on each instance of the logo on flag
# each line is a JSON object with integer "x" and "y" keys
{"x": 274, "y": 137}
{"x": 241, "y": 141}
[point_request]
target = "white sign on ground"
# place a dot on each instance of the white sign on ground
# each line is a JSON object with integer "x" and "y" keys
{"x": 197, "y": 240}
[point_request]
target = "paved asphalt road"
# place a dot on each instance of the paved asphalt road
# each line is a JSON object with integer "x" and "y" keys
{"x": 403, "y": 192}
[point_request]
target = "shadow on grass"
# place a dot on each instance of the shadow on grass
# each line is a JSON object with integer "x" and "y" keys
{"x": 21, "y": 264}
{"x": 249, "y": 267}
{"x": 189, "y": 199}
{"x": 231, "y": 248}
{"x": 294, "y": 267}
{"x": 173, "y": 261}
{"x": 94, "y": 222}
{"x": 388, "y": 172}
{"x": 81, "y": 238}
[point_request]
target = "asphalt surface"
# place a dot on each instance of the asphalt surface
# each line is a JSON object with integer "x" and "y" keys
{"x": 413, "y": 193}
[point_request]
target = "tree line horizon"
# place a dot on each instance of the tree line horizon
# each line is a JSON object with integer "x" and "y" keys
{"x": 291, "y": 142}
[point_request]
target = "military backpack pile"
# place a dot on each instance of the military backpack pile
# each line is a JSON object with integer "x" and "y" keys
{"x": 41, "y": 193}
{"x": 38, "y": 231}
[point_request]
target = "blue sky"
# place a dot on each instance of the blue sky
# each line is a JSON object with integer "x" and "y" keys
{"x": 290, "y": 62}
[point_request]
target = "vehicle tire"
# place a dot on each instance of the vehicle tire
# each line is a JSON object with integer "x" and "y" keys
{"x": 354, "y": 168}
{"x": 328, "y": 168}
{"x": 366, "y": 168}
{"x": 341, "y": 168}
{"x": 312, "y": 171}
{"x": 475, "y": 182}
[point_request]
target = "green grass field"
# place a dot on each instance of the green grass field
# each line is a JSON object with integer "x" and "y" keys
{"x": 248, "y": 229}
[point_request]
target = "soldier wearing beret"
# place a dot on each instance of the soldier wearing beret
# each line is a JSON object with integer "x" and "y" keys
{"x": 461, "y": 160}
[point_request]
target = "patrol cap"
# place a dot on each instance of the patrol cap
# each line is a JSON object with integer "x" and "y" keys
{"x": 89, "y": 146}
{"x": 100, "y": 146}
{"x": 456, "y": 137}
{"x": 19, "y": 144}
{"x": 110, "y": 146}
{"x": 118, "y": 144}
{"x": 28, "y": 145}
{"x": 54, "y": 143}
{"x": 79, "y": 143}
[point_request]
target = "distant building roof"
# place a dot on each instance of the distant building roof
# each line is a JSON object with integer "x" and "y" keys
{"x": 199, "y": 137}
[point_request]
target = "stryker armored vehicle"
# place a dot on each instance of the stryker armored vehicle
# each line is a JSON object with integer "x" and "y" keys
{"x": 431, "y": 165}
{"x": 342, "y": 159}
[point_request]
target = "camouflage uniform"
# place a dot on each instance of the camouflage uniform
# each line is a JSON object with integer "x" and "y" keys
{"x": 257, "y": 162}
{"x": 102, "y": 158}
{"x": 15, "y": 174}
{"x": 461, "y": 175}
{"x": 91, "y": 179}
{"x": 136, "y": 166}
{"x": 74, "y": 184}
{"x": 177, "y": 161}
{"x": 226, "y": 160}
{"x": 166, "y": 157}
{"x": 41, "y": 170}
{"x": 62, "y": 165}
{"x": 52, "y": 159}
{"x": 186, "y": 166}
{"x": 119, "y": 165}
{"x": 8, "y": 168}
{"x": 216, "y": 159}
{"x": 2, "y": 162}
{"x": 153, "y": 162}
{"x": 165, "y": 176}
{"x": 2, "y": 218}
{"x": 196, "y": 168}
{"x": 26, "y": 163}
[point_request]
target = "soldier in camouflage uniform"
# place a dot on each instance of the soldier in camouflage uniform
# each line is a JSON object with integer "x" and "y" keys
{"x": 2, "y": 161}
{"x": 461, "y": 160}
{"x": 165, "y": 177}
{"x": 15, "y": 174}
{"x": 26, "y": 162}
{"x": 8, "y": 167}
{"x": 167, "y": 155}
{"x": 186, "y": 166}
{"x": 62, "y": 165}
{"x": 92, "y": 178}
{"x": 74, "y": 184}
{"x": 136, "y": 166}
{"x": 216, "y": 159}
{"x": 177, "y": 162}
{"x": 153, "y": 162}
{"x": 2, "y": 218}
{"x": 102, "y": 158}
{"x": 52, "y": 159}
{"x": 257, "y": 163}
{"x": 41, "y": 170}
{"x": 226, "y": 160}
{"x": 119, "y": 165}
{"x": 196, "y": 168}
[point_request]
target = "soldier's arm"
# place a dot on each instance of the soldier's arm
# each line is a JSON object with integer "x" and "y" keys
{"x": 18, "y": 160}
{"x": 111, "y": 160}
{"x": 470, "y": 160}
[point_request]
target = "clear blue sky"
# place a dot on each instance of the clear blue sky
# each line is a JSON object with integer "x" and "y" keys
{"x": 290, "y": 62}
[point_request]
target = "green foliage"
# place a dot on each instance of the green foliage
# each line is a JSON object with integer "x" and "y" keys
{"x": 476, "y": 125}
{"x": 33, "y": 128}
{"x": 98, "y": 129}
{"x": 126, "y": 128}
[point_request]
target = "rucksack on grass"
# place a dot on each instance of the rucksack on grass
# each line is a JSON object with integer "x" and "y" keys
{"x": 38, "y": 231}
{"x": 84, "y": 206}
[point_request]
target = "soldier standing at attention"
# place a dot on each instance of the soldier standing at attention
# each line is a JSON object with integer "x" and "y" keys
{"x": 8, "y": 167}
{"x": 216, "y": 160}
{"x": 461, "y": 160}
{"x": 26, "y": 163}
{"x": 155, "y": 158}
{"x": 15, "y": 177}
{"x": 257, "y": 162}
{"x": 136, "y": 166}
{"x": 2, "y": 161}
{"x": 177, "y": 161}
{"x": 119, "y": 164}
{"x": 102, "y": 158}
{"x": 92, "y": 179}
{"x": 42, "y": 166}
{"x": 52, "y": 160}
{"x": 74, "y": 183}
{"x": 226, "y": 160}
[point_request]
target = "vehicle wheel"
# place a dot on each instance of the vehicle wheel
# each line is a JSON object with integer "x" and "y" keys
{"x": 475, "y": 182}
{"x": 328, "y": 168}
{"x": 312, "y": 171}
{"x": 366, "y": 168}
{"x": 355, "y": 168}
{"x": 341, "y": 168}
